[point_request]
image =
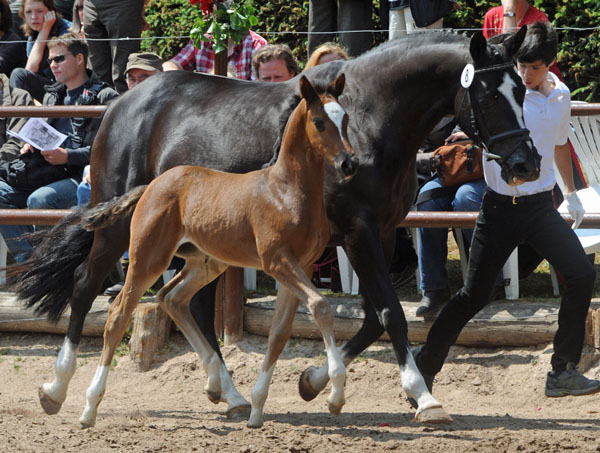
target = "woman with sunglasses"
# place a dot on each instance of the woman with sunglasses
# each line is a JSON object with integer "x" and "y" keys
{"x": 41, "y": 23}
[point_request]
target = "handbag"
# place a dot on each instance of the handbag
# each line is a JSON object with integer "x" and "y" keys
{"x": 457, "y": 163}
{"x": 426, "y": 12}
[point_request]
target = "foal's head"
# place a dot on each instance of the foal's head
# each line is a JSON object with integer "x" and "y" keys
{"x": 327, "y": 124}
{"x": 489, "y": 108}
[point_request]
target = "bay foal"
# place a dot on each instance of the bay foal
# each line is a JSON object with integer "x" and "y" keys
{"x": 272, "y": 219}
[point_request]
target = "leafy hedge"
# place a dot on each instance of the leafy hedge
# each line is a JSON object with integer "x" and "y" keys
{"x": 577, "y": 57}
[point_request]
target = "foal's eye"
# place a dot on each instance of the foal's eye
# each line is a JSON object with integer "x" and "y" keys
{"x": 319, "y": 124}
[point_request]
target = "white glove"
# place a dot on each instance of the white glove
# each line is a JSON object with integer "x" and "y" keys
{"x": 575, "y": 208}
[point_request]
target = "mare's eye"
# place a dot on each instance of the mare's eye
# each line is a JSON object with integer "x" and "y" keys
{"x": 319, "y": 124}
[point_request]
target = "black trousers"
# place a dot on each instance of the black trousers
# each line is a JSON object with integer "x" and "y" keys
{"x": 501, "y": 226}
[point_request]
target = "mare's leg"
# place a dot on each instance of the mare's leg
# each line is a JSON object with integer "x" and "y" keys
{"x": 175, "y": 299}
{"x": 366, "y": 254}
{"x": 295, "y": 278}
{"x": 108, "y": 246}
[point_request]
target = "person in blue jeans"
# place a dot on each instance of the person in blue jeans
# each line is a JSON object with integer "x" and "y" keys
{"x": 433, "y": 247}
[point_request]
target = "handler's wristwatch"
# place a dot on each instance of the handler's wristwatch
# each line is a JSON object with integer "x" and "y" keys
{"x": 509, "y": 14}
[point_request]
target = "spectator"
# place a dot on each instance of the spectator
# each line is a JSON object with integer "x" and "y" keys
{"x": 402, "y": 22}
{"x": 78, "y": 21}
{"x": 112, "y": 30}
{"x": 345, "y": 17}
{"x": 12, "y": 54}
{"x": 75, "y": 86}
{"x": 274, "y": 63}
{"x": 10, "y": 146}
{"x": 42, "y": 22}
{"x": 511, "y": 16}
{"x": 239, "y": 57}
{"x": 526, "y": 213}
{"x": 326, "y": 52}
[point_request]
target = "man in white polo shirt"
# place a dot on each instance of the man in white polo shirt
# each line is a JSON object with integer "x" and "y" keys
{"x": 525, "y": 213}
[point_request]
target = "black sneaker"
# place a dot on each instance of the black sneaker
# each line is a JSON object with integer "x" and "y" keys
{"x": 416, "y": 351}
{"x": 570, "y": 382}
{"x": 432, "y": 301}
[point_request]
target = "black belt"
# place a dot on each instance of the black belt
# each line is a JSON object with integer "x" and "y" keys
{"x": 534, "y": 198}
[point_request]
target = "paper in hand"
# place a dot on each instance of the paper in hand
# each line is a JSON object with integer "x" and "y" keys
{"x": 39, "y": 134}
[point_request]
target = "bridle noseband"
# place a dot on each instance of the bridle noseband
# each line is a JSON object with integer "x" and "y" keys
{"x": 475, "y": 135}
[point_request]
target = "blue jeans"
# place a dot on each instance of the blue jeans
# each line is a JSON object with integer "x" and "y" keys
{"x": 84, "y": 193}
{"x": 433, "y": 250}
{"x": 58, "y": 195}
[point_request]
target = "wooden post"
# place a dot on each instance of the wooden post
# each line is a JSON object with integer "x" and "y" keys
{"x": 150, "y": 332}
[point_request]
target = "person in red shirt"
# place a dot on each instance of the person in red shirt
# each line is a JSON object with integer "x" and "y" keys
{"x": 511, "y": 16}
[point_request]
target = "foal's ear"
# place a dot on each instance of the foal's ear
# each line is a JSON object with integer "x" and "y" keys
{"x": 307, "y": 91}
{"x": 336, "y": 87}
{"x": 478, "y": 47}
{"x": 513, "y": 43}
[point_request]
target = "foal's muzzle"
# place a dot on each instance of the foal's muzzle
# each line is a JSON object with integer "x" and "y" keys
{"x": 346, "y": 164}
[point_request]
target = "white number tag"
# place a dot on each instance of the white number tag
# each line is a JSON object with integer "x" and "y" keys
{"x": 467, "y": 76}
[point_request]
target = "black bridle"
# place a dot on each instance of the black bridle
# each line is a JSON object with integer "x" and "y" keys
{"x": 475, "y": 109}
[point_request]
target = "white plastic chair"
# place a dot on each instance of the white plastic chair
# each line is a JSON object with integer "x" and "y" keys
{"x": 584, "y": 135}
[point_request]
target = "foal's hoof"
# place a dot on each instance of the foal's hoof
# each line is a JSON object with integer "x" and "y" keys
{"x": 241, "y": 411}
{"x": 50, "y": 406}
{"x": 433, "y": 416}
{"x": 214, "y": 397}
{"x": 307, "y": 391}
{"x": 335, "y": 409}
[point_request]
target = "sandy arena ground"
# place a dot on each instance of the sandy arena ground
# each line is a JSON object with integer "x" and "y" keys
{"x": 494, "y": 395}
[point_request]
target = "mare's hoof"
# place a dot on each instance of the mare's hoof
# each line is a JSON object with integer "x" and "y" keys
{"x": 241, "y": 411}
{"x": 433, "y": 416}
{"x": 214, "y": 397}
{"x": 307, "y": 391}
{"x": 50, "y": 406}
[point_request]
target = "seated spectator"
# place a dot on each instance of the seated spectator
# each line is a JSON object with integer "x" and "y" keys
{"x": 77, "y": 26}
{"x": 10, "y": 146}
{"x": 15, "y": 6}
{"x": 202, "y": 59}
{"x": 325, "y": 53}
{"x": 42, "y": 22}
{"x": 112, "y": 30}
{"x": 274, "y": 63}
{"x": 75, "y": 86}
{"x": 12, "y": 54}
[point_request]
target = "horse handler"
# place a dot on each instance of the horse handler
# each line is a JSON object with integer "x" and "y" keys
{"x": 525, "y": 213}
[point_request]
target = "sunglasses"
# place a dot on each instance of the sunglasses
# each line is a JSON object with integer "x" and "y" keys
{"x": 58, "y": 59}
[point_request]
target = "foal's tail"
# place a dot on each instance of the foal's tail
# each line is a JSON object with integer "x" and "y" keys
{"x": 45, "y": 281}
{"x": 105, "y": 214}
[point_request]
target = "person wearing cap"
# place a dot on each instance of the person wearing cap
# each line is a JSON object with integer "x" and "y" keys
{"x": 140, "y": 66}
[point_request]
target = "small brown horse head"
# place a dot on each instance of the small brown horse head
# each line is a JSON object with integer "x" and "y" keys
{"x": 327, "y": 126}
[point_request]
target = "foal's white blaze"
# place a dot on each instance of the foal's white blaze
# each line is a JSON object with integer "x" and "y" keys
{"x": 94, "y": 395}
{"x": 414, "y": 384}
{"x": 507, "y": 88}
{"x": 336, "y": 113}
{"x": 65, "y": 366}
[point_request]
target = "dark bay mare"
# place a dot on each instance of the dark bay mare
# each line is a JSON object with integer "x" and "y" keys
{"x": 394, "y": 95}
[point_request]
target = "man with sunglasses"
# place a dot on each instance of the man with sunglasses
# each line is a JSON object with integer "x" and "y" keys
{"x": 52, "y": 184}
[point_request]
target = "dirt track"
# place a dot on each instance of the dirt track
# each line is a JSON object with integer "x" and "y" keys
{"x": 495, "y": 397}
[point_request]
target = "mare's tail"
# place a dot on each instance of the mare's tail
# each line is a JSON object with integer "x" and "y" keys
{"x": 45, "y": 281}
{"x": 105, "y": 214}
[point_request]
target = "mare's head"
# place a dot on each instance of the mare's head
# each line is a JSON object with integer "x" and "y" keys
{"x": 489, "y": 107}
{"x": 327, "y": 126}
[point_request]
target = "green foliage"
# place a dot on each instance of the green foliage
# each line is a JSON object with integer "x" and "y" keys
{"x": 279, "y": 22}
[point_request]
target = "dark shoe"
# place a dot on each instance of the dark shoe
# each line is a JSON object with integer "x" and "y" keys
{"x": 432, "y": 301}
{"x": 404, "y": 276}
{"x": 114, "y": 289}
{"x": 416, "y": 352}
{"x": 570, "y": 382}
